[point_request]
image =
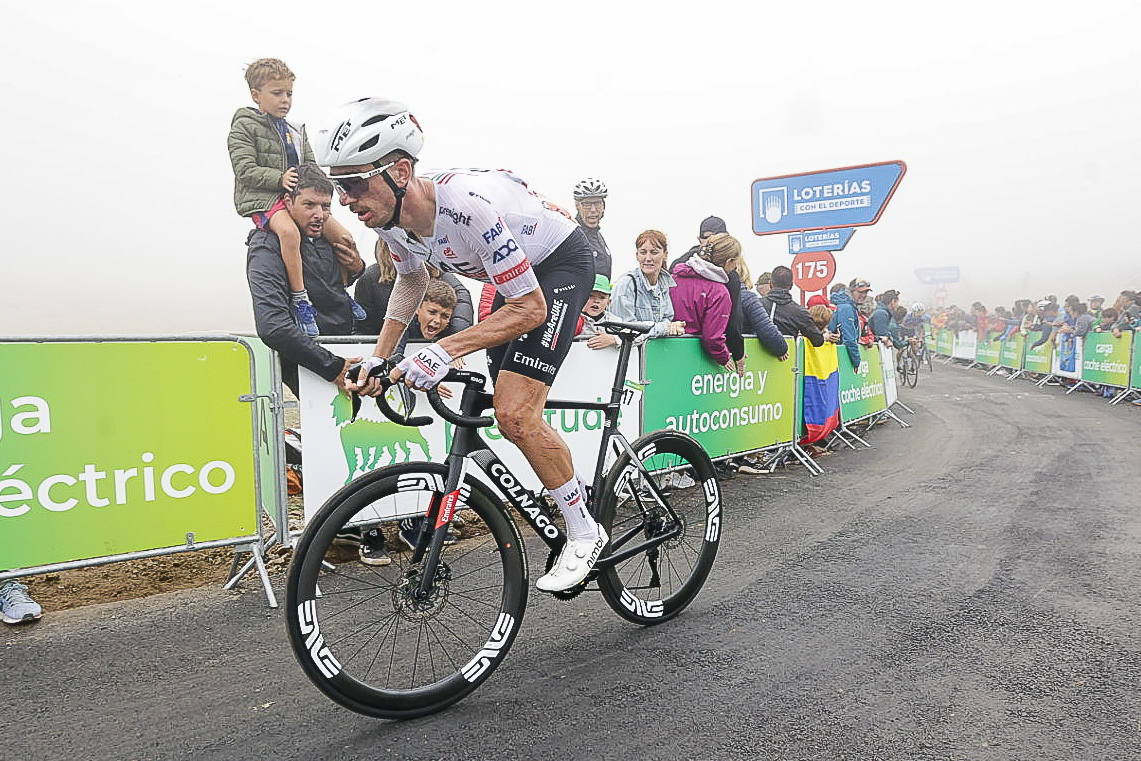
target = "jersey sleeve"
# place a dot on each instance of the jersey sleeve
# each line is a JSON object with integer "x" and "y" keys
{"x": 504, "y": 260}
{"x": 405, "y": 261}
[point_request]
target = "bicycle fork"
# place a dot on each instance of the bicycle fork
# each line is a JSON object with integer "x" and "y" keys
{"x": 440, "y": 512}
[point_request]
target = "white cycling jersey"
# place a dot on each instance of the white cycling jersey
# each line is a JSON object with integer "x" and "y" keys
{"x": 489, "y": 227}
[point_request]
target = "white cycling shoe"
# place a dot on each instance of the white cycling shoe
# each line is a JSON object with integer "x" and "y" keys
{"x": 573, "y": 564}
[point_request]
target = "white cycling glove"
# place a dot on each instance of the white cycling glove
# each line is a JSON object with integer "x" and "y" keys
{"x": 427, "y": 367}
{"x": 366, "y": 365}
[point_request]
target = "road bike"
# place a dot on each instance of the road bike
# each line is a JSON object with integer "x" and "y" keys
{"x": 414, "y": 637}
{"x": 909, "y": 365}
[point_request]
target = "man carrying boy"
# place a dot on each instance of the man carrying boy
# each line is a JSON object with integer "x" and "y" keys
{"x": 265, "y": 151}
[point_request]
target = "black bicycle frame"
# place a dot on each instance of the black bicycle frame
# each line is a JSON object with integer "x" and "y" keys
{"x": 467, "y": 443}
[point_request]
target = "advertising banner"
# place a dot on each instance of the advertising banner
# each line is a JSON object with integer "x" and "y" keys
{"x": 338, "y": 448}
{"x": 965, "y": 343}
{"x": 1038, "y": 360}
{"x": 1105, "y": 359}
{"x": 1135, "y": 367}
{"x": 887, "y": 362}
{"x": 726, "y": 412}
{"x": 862, "y": 388}
{"x": 944, "y": 343}
{"x": 146, "y": 448}
{"x": 1012, "y": 348}
{"x": 987, "y": 351}
{"x": 1067, "y": 357}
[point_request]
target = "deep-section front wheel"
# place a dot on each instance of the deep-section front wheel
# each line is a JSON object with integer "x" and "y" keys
{"x": 368, "y": 636}
{"x": 655, "y": 584}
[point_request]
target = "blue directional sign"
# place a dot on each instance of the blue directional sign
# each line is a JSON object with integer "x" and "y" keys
{"x": 819, "y": 240}
{"x": 937, "y": 275}
{"x": 850, "y": 197}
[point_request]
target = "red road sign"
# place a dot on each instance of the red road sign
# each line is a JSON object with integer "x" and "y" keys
{"x": 813, "y": 270}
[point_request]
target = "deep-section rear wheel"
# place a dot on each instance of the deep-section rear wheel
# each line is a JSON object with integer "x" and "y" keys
{"x": 656, "y": 584}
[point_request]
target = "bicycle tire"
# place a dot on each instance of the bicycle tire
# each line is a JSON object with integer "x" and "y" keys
{"x": 326, "y": 620}
{"x": 622, "y": 511}
{"x": 911, "y": 370}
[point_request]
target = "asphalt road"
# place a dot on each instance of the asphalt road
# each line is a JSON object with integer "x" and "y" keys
{"x": 968, "y": 589}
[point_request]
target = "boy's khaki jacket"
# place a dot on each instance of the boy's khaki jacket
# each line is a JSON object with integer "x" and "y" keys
{"x": 257, "y": 153}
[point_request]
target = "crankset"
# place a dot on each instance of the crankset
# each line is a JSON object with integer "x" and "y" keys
{"x": 577, "y": 589}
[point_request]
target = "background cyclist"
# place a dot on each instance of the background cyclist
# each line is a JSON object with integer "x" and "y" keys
{"x": 490, "y": 227}
{"x": 590, "y": 203}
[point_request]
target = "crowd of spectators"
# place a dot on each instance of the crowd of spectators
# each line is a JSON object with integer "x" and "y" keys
{"x": 1044, "y": 321}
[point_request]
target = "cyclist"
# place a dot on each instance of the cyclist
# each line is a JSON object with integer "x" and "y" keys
{"x": 590, "y": 203}
{"x": 488, "y": 226}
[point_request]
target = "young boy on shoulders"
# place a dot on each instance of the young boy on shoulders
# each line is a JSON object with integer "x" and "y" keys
{"x": 265, "y": 151}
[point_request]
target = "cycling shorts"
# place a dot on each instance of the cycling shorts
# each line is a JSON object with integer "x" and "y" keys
{"x": 566, "y": 278}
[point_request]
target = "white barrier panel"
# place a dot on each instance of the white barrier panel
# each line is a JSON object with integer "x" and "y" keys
{"x": 1067, "y": 361}
{"x": 966, "y": 342}
{"x": 337, "y": 449}
{"x": 887, "y": 362}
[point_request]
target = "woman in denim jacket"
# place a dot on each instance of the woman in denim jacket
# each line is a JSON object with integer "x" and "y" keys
{"x": 643, "y": 294}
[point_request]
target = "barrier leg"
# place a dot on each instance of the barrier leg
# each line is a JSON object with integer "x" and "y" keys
{"x": 1015, "y": 374}
{"x": 897, "y": 419}
{"x": 1078, "y": 385}
{"x": 1044, "y": 380}
{"x": 813, "y": 468}
{"x": 905, "y": 407}
{"x": 849, "y": 432}
{"x": 838, "y": 436}
{"x": 256, "y": 559}
{"x": 1124, "y": 394}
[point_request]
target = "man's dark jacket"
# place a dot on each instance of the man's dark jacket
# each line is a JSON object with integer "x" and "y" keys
{"x": 791, "y": 318}
{"x": 273, "y": 311}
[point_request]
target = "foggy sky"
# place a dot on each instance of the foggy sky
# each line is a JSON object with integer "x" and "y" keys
{"x": 1019, "y": 123}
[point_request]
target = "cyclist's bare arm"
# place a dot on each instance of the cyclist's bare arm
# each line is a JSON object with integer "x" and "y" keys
{"x": 515, "y": 317}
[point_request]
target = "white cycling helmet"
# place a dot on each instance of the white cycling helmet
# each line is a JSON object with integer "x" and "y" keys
{"x": 366, "y": 130}
{"x": 917, "y": 307}
{"x": 590, "y": 188}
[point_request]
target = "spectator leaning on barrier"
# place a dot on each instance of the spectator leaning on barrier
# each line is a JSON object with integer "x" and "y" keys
{"x": 846, "y": 319}
{"x": 308, "y": 205}
{"x": 375, "y": 286}
{"x": 790, "y": 318}
{"x": 822, "y": 315}
{"x": 701, "y": 297}
{"x": 881, "y": 317}
{"x": 594, "y": 311}
{"x": 765, "y": 284}
{"x": 709, "y": 226}
{"x": 756, "y": 318}
{"x": 643, "y": 294}
{"x": 590, "y": 203}
{"x": 1045, "y": 324}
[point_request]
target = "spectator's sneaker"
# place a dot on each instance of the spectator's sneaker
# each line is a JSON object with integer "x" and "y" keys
{"x": 410, "y": 533}
{"x": 348, "y": 537}
{"x": 573, "y": 564}
{"x": 724, "y": 471}
{"x": 306, "y": 317}
{"x": 372, "y": 550}
{"x": 16, "y": 605}
{"x": 358, "y": 311}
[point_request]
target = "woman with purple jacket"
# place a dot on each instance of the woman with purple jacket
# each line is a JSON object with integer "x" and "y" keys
{"x": 701, "y": 296}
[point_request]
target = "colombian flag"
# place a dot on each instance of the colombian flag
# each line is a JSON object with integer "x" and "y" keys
{"x": 821, "y": 391}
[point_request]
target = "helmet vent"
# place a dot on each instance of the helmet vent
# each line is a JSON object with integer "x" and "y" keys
{"x": 369, "y": 143}
{"x": 375, "y": 120}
